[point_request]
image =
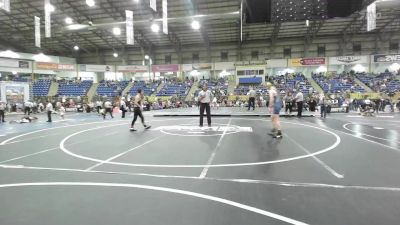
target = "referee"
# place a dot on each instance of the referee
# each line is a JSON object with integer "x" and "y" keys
{"x": 205, "y": 97}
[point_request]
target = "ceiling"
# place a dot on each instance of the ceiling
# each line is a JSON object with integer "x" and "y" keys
{"x": 220, "y": 23}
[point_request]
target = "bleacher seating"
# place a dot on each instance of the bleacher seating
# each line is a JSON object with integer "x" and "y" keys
{"x": 111, "y": 89}
{"x": 20, "y": 79}
{"x": 41, "y": 88}
{"x": 384, "y": 82}
{"x": 337, "y": 83}
{"x": 148, "y": 89}
{"x": 74, "y": 88}
{"x": 217, "y": 86}
{"x": 173, "y": 88}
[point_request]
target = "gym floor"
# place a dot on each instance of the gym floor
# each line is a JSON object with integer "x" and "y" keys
{"x": 342, "y": 170}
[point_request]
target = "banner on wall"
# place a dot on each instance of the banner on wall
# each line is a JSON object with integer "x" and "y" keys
{"x": 371, "y": 17}
{"x": 277, "y": 63}
{"x": 129, "y": 27}
{"x": 316, "y": 61}
{"x": 54, "y": 66}
{"x": 387, "y": 58}
{"x": 47, "y": 19}
{"x": 95, "y": 68}
{"x": 37, "y": 31}
{"x": 348, "y": 60}
{"x": 14, "y": 93}
{"x": 202, "y": 66}
{"x": 5, "y": 4}
{"x": 153, "y": 4}
{"x": 132, "y": 68}
{"x": 165, "y": 16}
{"x": 165, "y": 68}
{"x": 224, "y": 66}
{"x": 14, "y": 63}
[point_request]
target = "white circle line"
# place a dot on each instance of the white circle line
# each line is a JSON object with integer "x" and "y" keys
{"x": 368, "y": 135}
{"x": 338, "y": 140}
{"x": 163, "y": 189}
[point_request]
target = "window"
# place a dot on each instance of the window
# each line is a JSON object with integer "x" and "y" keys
{"x": 394, "y": 46}
{"x": 195, "y": 57}
{"x": 357, "y": 47}
{"x": 167, "y": 59}
{"x": 254, "y": 55}
{"x": 224, "y": 56}
{"x": 287, "y": 52}
{"x": 321, "y": 51}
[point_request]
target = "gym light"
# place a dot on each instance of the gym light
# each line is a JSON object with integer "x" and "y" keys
{"x": 9, "y": 54}
{"x": 155, "y": 28}
{"x": 195, "y": 25}
{"x": 116, "y": 31}
{"x": 90, "y": 3}
{"x": 49, "y": 8}
{"x": 115, "y": 55}
{"x": 136, "y": 1}
{"x": 76, "y": 47}
{"x": 68, "y": 20}
{"x": 146, "y": 57}
{"x": 14, "y": 72}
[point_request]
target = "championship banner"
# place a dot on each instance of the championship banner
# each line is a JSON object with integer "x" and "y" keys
{"x": 153, "y": 4}
{"x": 46, "y": 66}
{"x": 371, "y": 17}
{"x": 165, "y": 68}
{"x": 5, "y": 4}
{"x": 37, "y": 31}
{"x": 47, "y": 19}
{"x": 132, "y": 68}
{"x": 387, "y": 58}
{"x": 129, "y": 27}
{"x": 165, "y": 16}
{"x": 307, "y": 61}
{"x": 95, "y": 68}
{"x": 348, "y": 60}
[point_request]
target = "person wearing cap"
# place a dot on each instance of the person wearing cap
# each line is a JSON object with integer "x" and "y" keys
{"x": 122, "y": 107}
{"x": 205, "y": 97}
{"x": 275, "y": 106}
{"x": 137, "y": 110}
{"x": 2, "y": 111}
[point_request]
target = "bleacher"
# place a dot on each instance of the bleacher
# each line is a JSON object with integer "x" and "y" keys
{"x": 148, "y": 89}
{"x": 111, "y": 89}
{"x": 41, "y": 88}
{"x": 20, "y": 79}
{"x": 337, "y": 83}
{"x": 384, "y": 82}
{"x": 219, "y": 85}
{"x": 74, "y": 88}
{"x": 173, "y": 88}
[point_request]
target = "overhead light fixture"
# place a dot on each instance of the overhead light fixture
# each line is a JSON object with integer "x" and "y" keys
{"x": 76, "y": 47}
{"x": 77, "y": 26}
{"x": 115, "y": 55}
{"x": 307, "y": 23}
{"x": 155, "y": 28}
{"x": 68, "y": 20}
{"x": 195, "y": 25}
{"x": 117, "y": 31}
{"x": 41, "y": 58}
{"x": 136, "y": 1}
{"x": 146, "y": 57}
{"x": 90, "y": 3}
{"x": 49, "y": 8}
{"x": 14, "y": 72}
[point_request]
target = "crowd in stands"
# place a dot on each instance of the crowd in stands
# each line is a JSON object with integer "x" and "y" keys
{"x": 148, "y": 88}
{"x": 111, "y": 88}
{"x": 172, "y": 87}
{"x": 384, "y": 82}
{"x": 337, "y": 83}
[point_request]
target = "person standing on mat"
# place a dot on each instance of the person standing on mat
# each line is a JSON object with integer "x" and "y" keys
{"x": 322, "y": 104}
{"x": 299, "y": 101}
{"x": 137, "y": 110}
{"x": 205, "y": 97}
{"x": 122, "y": 106}
{"x": 275, "y": 106}
{"x": 108, "y": 109}
{"x": 2, "y": 111}
{"x": 49, "y": 109}
{"x": 252, "y": 98}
